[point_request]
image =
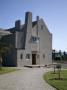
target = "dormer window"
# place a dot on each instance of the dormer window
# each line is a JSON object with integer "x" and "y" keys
{"x": 35, "y": 39}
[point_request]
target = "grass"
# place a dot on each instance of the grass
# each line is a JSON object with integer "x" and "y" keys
{"x": 61, "y": 84}
{"x": 6, "y": 70}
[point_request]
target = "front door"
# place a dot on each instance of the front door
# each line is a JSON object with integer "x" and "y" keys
{"x": 33, "y": 59}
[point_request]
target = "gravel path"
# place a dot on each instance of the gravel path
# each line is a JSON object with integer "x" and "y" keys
{"x": 25, "y": 79}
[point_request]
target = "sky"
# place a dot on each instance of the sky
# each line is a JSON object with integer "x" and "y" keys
{"x": 53, "y": 12}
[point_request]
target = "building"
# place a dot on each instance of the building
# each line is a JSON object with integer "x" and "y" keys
{"x": 32, "y": 43}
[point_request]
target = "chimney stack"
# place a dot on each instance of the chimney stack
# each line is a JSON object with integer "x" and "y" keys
{"x": 18, "y": 24}
{"x": 37, "y": 18}
{"x": 28, "y": 19}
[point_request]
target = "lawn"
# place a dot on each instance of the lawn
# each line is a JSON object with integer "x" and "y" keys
{"x": 6, "y": 69}
{"x": 61, "y": 84}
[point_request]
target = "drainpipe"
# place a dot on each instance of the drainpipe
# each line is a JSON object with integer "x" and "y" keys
{"x": 38, "y": 42}
{"x": 37, "y": 24}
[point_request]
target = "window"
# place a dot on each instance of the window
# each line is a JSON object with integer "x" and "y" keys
{"x": 43, "y": 55}
{"x": 35, "y": 39}
{"x": 27, "y": 56}
{"x": 21, "y": 56}
{"x": 41, "y": 26}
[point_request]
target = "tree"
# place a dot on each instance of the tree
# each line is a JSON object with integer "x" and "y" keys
{"x": 53, "y": 55}
{"x": 54, "y": 68}
{"x": 3, "y": 49}
{"x": 60, "y": 53}
{"x": 65, "y": 55}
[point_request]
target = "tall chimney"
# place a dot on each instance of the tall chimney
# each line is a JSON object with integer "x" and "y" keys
{"x": 28, "y": 27}
{"x": 37, "y": 18}
{"x": 18, "y": 24}
{"x": 28, "y": 19}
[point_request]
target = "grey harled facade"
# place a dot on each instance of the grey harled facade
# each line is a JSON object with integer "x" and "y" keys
{"x": 32, "y": 43}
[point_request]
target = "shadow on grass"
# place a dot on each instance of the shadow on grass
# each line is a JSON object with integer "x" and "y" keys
{"x": 54, "y": 73}
{"x": 64, "y": 79}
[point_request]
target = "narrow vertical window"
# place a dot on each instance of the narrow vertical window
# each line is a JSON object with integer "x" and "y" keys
{"x": 41, "y": 26}
{"x": 44, "y": 56}
{"x": 27, "y": 56}
{"x": 21, "y": 56}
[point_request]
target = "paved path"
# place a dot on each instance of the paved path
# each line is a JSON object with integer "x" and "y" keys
{"x": 25, "y": 79}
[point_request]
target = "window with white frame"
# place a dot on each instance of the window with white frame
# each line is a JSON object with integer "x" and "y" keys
{"x": 35, "y": 39}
